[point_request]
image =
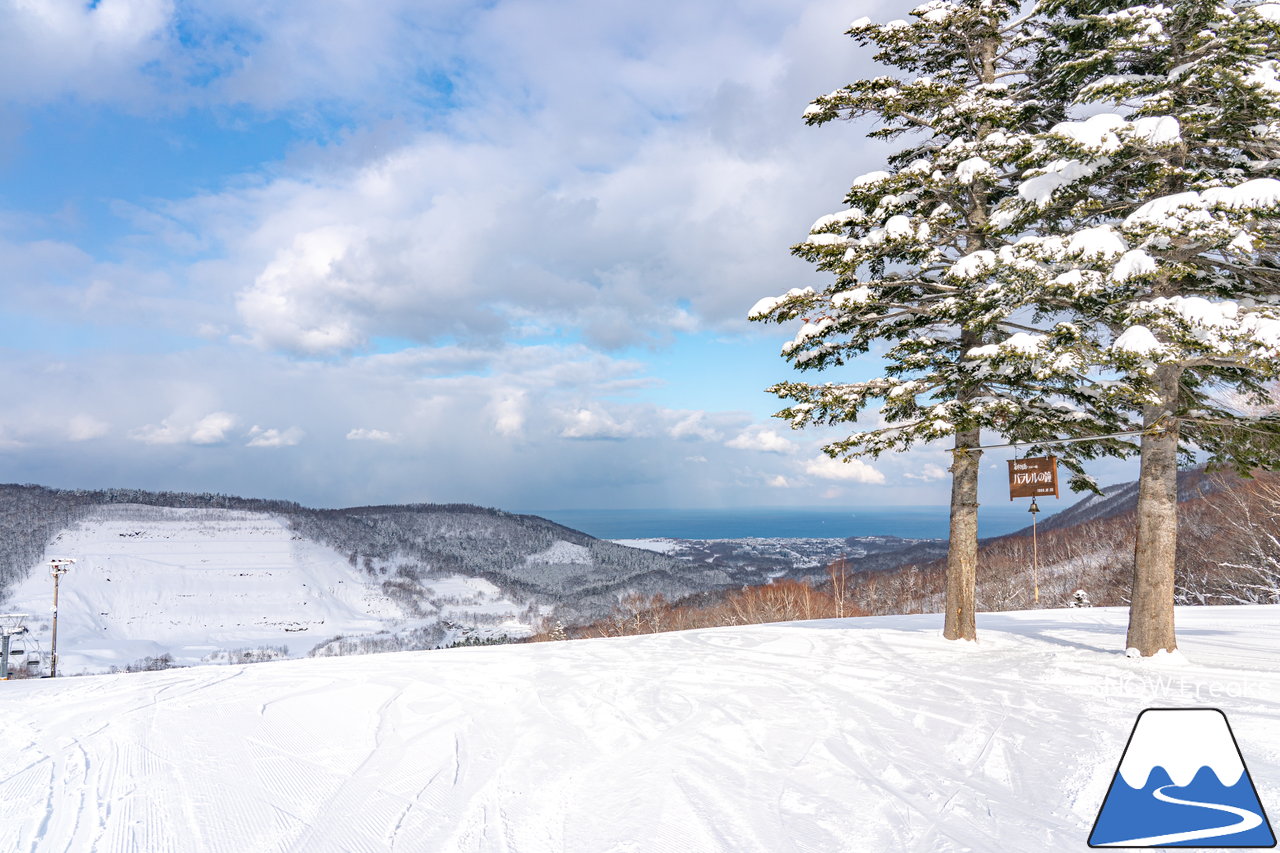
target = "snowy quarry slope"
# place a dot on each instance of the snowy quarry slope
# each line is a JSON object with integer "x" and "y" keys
{"x": 198, "y": 583}
{"x": 841, "y": 735}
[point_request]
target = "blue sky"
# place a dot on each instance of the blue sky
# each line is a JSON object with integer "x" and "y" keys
{"x": 496, "y": 252}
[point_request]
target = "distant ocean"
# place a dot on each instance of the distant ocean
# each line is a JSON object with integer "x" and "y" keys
{"x": 928, "y": 522}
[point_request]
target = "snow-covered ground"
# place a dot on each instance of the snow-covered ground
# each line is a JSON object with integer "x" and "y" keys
{"x": 661, "y": 546}
{"x": 851, "y": 735}
{"x": 564, "y": 553}
{"x": 199, "y": 583}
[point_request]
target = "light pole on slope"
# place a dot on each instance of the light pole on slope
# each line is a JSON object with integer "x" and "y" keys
{"x": 58, "y": 566}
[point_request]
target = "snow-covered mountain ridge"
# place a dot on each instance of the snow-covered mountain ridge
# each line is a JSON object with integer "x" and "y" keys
{"x": 1123, "y": 498}
{"x": 841, "y": 735}
{"x": 215, "y": 578}
{"x": 206, "y": 585}
{"x": 211, "y": 578}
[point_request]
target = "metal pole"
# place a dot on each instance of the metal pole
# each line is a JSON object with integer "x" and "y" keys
{"x": 53, "y": 654}
{"x": 59, "y": 567}
{"x": 4, "y": 657}
{"x": 1035, "y": 551}
{"x": 1056, "y": 441}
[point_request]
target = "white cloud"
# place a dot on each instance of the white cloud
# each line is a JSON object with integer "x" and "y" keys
{"x": 86, "y": 427}
{"x": 606, "y": 173}
{"x": 590, "y": 424}
{"x": 259, "y": 437}
{"x": 210, "y": 429}
{"x": 541, "y": 196}
{"x": 778, "y": 482}
{"x": 97, "y": 51}
{"x": 761, "y": 438}
{"x": 693, "y": 425}
{"x": 508, "y": 413}
{"x": 301, "y": 301}
{"x": 363, "y": 434}
{"x": 445, "y": 449}
{"x": 855, "y": 470}
{"x": 927, "y": 473}
{"x": 294, "y": 54}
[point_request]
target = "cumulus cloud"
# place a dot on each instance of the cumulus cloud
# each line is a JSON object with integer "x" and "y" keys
{"x": 96, "y": 51}
{"x": 761, "y": 438}
{"x": 290, "y": 54}
{"x": 401, "y": 246}
{"x": 508, "y": 412}
{"x": 609, "y": 174}
{"x": 445, "y": 448}
{"x": 210, "y": 429}
{"x": 302, "y": 300}
{"x": 534, "y": 195}
{"x": 927, "y": 473}
{"x": 853, "y": 470}
{"x": 694, "y": 425}
{"x": 593, "y": 424}
{"x": 530, "y": 195}
{"x": 363, "y": 434}
{"x": 259, "y": 437}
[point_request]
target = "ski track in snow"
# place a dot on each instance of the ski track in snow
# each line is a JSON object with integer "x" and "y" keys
{"x": 840, "y": 735}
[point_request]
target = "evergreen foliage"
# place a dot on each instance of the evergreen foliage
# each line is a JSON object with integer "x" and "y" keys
{"x": 1077, "y": 238}
{"x": 1154, "y": 224}
{"x": 1151, "y": 220}
{"x": 914, "y": 255}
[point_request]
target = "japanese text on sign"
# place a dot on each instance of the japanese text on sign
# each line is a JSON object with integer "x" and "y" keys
{"x": 1033, "y": 478}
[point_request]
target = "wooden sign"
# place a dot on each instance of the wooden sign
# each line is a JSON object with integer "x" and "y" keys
{"x": 1033, "y": 478}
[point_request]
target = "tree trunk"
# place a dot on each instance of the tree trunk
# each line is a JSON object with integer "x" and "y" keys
{"x": 962, "y": 550}
{"x": 959, "y": 622}
{"x": 1155, "y": 550}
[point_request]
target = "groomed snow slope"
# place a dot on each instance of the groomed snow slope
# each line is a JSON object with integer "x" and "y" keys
{"x": 196, "y": 583}
{"x": 854, "y": 735}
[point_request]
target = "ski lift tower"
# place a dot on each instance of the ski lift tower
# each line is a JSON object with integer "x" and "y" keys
{"x": 10, "y": 626}
{"x": 58, "y": 566}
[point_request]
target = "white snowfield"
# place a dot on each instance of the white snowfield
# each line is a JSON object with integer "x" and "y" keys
{"x": 197, "y": 583}
{"x": 860, "y": 735}
{"x": 562, "y": 552}
{"x": 659, "y": 545}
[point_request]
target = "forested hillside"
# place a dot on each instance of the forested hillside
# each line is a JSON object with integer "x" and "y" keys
{"x": 1228, "y": 553}
{"x": 525, "y": 556}
{"x": 31, "y": 516}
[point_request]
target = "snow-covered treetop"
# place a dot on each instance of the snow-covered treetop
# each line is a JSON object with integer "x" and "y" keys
{"x": 1151, "y": 213}
{"x": 916, "y": 248}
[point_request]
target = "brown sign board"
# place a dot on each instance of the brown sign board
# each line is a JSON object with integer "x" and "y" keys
{"x": 1033, "y": 478}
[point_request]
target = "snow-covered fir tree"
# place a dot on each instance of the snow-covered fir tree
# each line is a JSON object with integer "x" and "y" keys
{"x": 913, "y": 255}
{"x": 1151, "y": 224}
